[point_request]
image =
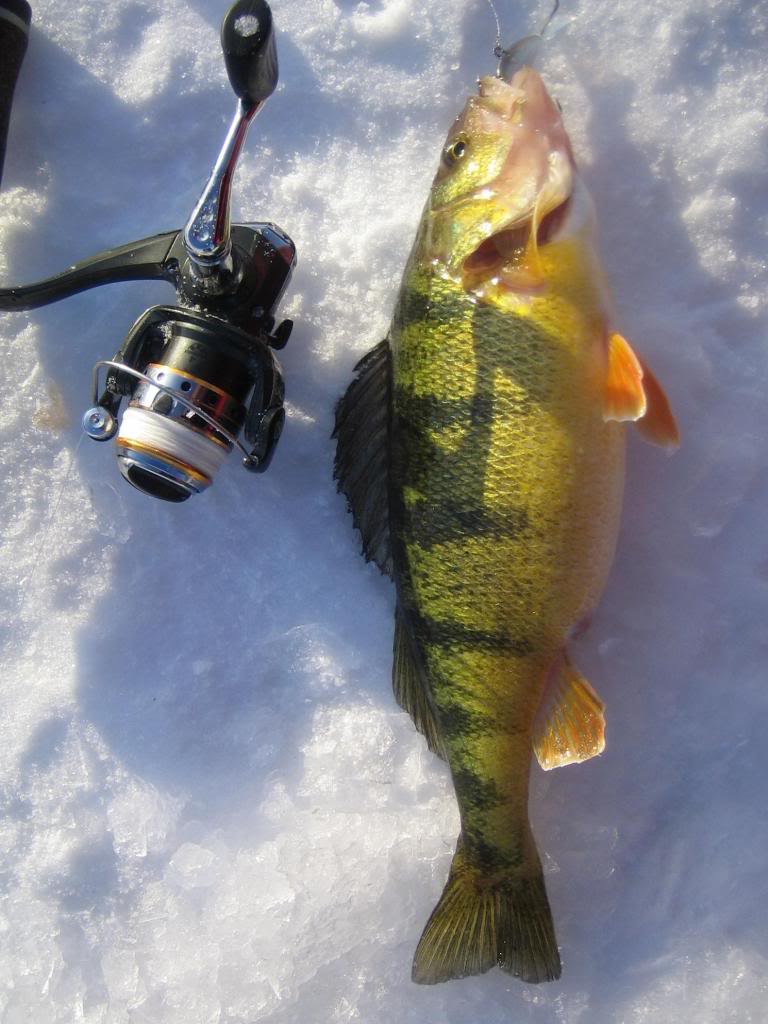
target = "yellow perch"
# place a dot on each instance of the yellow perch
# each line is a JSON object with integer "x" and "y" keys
{"x": 481, "y": 449}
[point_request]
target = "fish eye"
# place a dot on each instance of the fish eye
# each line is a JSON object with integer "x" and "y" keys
{"x": 454, "y": 152}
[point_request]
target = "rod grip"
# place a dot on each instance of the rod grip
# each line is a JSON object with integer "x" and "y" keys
{"x": 15, "y": 17}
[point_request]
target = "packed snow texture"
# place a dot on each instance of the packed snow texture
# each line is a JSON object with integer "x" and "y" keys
{"x": 212, "y": 809}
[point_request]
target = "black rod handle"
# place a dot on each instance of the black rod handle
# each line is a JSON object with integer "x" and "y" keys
{"x": 248, "y": 42}
{"x": 15, "y": 17}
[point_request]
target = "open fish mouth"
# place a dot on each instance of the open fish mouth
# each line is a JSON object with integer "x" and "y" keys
{"x": 512, "y": 248}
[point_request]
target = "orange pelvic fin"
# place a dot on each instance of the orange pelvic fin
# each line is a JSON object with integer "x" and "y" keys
{"x": 570, "y": 725}
{"x": 632, "y": 392}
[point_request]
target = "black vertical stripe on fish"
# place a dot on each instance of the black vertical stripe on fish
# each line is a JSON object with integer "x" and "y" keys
{"x": 435, "y": 413}
{"x": 479, "y": 793}
{"x": 454, "y": 634}
{"x": 461, "y": 719}
{"x": 488, "y": 858}
{"x": 431, "y": 525}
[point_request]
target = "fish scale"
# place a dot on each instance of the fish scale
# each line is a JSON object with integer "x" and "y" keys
{"x": 511, "y": 493}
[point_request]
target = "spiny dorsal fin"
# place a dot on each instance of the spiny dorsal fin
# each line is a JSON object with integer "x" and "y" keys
{"x": 570, "y": 725}
{"x": 411, "y": 691}
{"x": 361, "y": 467}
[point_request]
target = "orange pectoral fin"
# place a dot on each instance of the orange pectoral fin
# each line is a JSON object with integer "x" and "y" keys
{"x": 624, "y": 395}
{"x": 658, "y": 425}
{"x": 633, "y": 393}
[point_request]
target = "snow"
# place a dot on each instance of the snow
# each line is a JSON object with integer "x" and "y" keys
{"x": 212, "y": 810}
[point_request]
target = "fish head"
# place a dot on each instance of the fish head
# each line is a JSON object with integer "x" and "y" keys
{"x": 506, "y": 176}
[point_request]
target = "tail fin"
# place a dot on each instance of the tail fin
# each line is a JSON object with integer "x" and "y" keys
{"x": 479, "y": 924}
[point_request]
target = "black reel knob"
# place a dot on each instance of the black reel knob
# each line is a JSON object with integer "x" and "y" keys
{"x": 248, "y": 42}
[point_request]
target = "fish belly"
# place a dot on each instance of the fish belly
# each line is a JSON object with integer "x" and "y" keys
{"x": 505, "y": 504}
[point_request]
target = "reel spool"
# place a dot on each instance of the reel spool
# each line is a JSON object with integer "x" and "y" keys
{"x": 188, "y": 383}
{"x": 163, "y": 444}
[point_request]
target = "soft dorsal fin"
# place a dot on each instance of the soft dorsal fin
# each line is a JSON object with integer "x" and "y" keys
{"x": 632, "y": 392}
{"x": 569, "y": 725}
{"x": 361, "y": 466}
{"x": 410, "y": 688}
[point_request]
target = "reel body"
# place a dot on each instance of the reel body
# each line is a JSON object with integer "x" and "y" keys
{"x": 195, "y": 375}
{"x": 190, "y": 387}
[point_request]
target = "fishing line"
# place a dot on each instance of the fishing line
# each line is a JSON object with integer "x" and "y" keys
{"x": 552, "y": 13}
{"x": 499, "y": 51}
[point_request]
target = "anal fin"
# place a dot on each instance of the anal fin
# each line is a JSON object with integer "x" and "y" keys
{"x": 570, "y": 724}
{"x": 410, "y": 688}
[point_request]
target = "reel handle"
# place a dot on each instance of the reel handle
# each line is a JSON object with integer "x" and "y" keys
{"x": 15, "y": 17}
{"x": 250, "y": 55}
{"x": 248, "y": 42}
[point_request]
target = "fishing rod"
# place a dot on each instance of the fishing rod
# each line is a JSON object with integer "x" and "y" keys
{"x": 15, "y": 17}
{"x": 198, "y": 378}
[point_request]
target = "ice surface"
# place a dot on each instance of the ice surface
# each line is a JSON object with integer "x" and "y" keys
{"x": 212, "y": 810}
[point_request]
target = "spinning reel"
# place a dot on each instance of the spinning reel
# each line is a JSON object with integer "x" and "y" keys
{"x": 194, "y": 375}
